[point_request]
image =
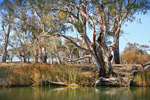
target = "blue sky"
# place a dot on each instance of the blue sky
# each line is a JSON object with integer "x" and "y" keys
{"x": 136, "y": 32}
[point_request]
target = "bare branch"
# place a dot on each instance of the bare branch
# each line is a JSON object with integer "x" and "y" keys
{"x": 8, "y": 29}
{"x": 86, "y": 56}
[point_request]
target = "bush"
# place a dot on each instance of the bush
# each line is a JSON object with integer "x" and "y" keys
{"x": 130, "y": 57}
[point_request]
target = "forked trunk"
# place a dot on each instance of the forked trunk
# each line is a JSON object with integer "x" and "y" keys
{"x": 104, "y": 64}
{"x": 106, "y": 70}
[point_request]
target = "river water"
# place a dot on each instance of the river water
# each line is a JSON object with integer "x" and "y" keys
{"x": 68, "y": 93}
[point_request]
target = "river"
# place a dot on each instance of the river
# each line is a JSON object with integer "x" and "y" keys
{"x": 81, "y": 93}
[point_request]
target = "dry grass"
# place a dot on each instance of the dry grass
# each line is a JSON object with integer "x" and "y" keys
{"x": 18, "y": 74}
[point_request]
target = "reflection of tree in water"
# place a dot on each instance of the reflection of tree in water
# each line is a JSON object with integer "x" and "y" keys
{"x": 75, "y": 93}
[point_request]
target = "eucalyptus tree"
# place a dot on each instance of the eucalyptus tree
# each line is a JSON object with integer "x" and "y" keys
{"x": 42, "y": 23}
{"x": 134, "y": 8}
{"x": 19, "y": 41}
{"x": 27, "y": 30}
{"x": 6, "y": 18}
{"x": 96, "y": 14}
{"x": 46, "y": 24}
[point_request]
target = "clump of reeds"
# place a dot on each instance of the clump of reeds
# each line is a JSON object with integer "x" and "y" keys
{"x": 142, "y": 78}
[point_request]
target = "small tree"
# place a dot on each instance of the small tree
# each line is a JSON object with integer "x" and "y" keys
{"x": 6, "y": 14}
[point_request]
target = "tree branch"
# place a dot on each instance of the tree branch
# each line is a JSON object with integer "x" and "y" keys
{"x": 61, "y": 35}
{"x": 86, "y": 56}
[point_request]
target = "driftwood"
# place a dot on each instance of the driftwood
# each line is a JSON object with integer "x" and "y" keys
{"x": 51, "y": 83}
{"x": 47, "y": 82}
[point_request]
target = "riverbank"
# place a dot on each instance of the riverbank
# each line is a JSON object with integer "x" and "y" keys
{"x": 20, "y": 74}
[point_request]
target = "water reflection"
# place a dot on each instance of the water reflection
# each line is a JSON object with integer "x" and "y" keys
{"x": 67, "y": 93}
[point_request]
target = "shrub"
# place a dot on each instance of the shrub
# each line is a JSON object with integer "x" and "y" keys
{"x": 130, "y": 57}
